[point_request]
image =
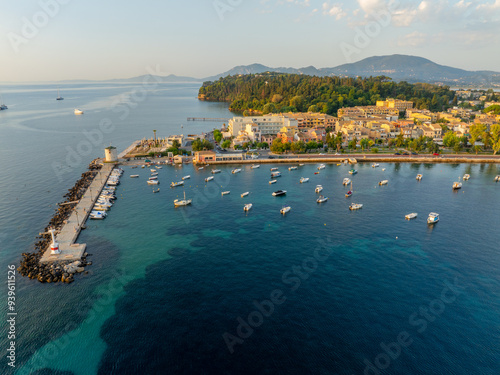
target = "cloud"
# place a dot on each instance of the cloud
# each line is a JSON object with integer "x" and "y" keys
{"x": 334, "y": 10}
{"x": 413, "y": 39}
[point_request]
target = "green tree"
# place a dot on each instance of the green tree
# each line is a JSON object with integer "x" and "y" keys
{"x": 476, "y": 131}
{"x": 313, "y": 108}
{"x": 277, "y": 146}
{"x": 364, "y": 142}
{"x": 298, "y": 147}
{"x": 352, "y": 144}
{"x": 312, "y": 145}
{"x": 175, "y": 144}
{"x": 495, "y": 138}
{"x": 400, "y": 140}
{"x": 450, "y": 139}
{"x": 226, "y": 144}
{"x": 217, "y": 135}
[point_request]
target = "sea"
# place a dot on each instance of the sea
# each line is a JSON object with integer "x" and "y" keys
{"x": 211, "y": 289}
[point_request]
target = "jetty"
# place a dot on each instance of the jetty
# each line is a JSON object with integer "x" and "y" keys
{"x": 68, "y": 234}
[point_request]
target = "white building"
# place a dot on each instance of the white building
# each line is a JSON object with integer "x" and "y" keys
{"x": 265, "y": 125}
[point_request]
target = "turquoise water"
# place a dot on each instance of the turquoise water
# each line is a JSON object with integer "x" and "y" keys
{"x": 169, "y": 286}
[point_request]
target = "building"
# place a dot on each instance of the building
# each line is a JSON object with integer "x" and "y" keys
{"x": 365, "y": 111}
{"x": 400, "y": 105}
{"x": 312, "y": 119}
{"x": 207, "y": 157}
{"x": 110, "y": 155}
{"x": 267, "y": 125}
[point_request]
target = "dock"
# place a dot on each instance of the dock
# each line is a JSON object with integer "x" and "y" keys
{"x": 67, "y": 236}
{"x": 214, "y": 119}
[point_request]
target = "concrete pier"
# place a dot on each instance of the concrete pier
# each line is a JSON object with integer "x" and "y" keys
{"x": 67, "y": 236}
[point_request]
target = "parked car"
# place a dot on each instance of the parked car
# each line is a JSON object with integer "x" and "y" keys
{"x": 436, "y": 154}
{"x": 414, "y": 153}
{"x": 397, "y": 153}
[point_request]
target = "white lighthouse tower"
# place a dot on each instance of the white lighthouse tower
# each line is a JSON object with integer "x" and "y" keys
{"x": 54, "y": 246}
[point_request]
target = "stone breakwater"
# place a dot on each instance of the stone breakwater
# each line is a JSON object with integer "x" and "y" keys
{"x": 64, "y": 271}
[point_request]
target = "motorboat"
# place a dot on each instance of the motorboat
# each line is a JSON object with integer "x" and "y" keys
{"x": 321, "y": 199}
{"x": 348, "y": 194}
{"x": 318, "y": 189}
{"x": 78, "y": 111}
{"x": 375, "y": 165}
{"x": 292, "y": 168}
{"x": 153, "y": 178}
{"x": 272, "y": 182}
{"x": 245, "y": 194}
{"x": 457, "y": 185}
{"x": 225, "y": 192}
{"x": 100, "y": 207}
{"x": 236, "y": 170}
{"x": 355, "y": 206}
{"x": 159, "y": 167}
{"x": 497, "y": 178}
{"x": 304, "y": 179}
{"x": 210, "y": 178}
{"x": 200, "y": 168}
{"x": 277, "y": 193}
{"x": 413, "y": 215}
{"x": 353, "y": 171}
{"x": 383, "y": 169}
{"x": 156, "y": 191}
{"x": 316, "y": 172}
{"x": 134, "y": 175}
{"x": 255, "y": 166}
{"x": 153, "y": 170}
{"x": 383, "y": 182}
{"x": 433, "y": 218}
{"x": 215, "y": 171}
{"x": 182, "y": 202}
{"x": 346, "y": 181}
{"x": 154, "y": 174}
{"x": 153, "y": 182}
{"x": 247, "y": 207}
{"x": 274, "y": 169}
{"x": 98, "y": 215}
{"x": 174, "y": 184}
{"x": 186, "y": 177}
{"x": 466, "y": 177}
{"x": 419, "y": 177}
{"x": 275, "y": 174}
{"x": 301, "y": 165}
{"x": 321, "y": 166}
{"x": 285, "y": 209}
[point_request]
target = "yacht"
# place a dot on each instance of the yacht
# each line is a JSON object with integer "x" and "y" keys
{"x": 245, "y": 194}
{"x": 215, "y": 171}
{"x": 277, "y": 193}
{"x": 355, "y": 206}
{"x": 134, "y": 175}
{"x": 304, "y": 179}
{"x": 346, "y": 181}
{"x": 318, "y": 189}
{"x": 383, "y": 182}
{"x": 225, "y": 192}
{"x": 255, "y": 166}
{"x": 413, "y": 215}
{"x": 237, "y": 170}
{"x": 186, "y": 177}
{"x": 292, "y": 168}
{"x": 321, "y": 199}
{"x": 153, "y": 182}
{"x": 174, "y": 184}
{"x": 182, "y": 202}
{"x": 457, "y": 185}
{"x": 466, "y": 177}
{"x": 210, "y": 178}
{"x": 275, "y": 174}
{"x": 59, "y": 97}
{"x": 247, "y": 207}
{"x": 272, "y": 182}
{"x": 375, "y": 165}
{"x": 433, "y": 218}
{"x": 353, "y": 171}
{"x": 78, "y": 111}
{"x": 419, "y": 177}
{"x": 285, "y": 209}
{"x": 321, "y": 166}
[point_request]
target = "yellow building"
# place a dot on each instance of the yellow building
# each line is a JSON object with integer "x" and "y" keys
{"x": 400, "y": 105}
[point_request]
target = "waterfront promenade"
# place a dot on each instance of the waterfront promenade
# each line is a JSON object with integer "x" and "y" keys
{"x": 67, "y": 236}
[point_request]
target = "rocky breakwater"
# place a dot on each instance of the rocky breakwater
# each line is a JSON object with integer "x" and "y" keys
{"x": 58, "y": 271}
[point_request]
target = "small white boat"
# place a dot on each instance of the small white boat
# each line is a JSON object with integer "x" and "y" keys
{"x": 210, "y": 178}
{"x": 277, "y": 193}
{"x": 154, "y": 174}
{"x": 225, "y": 192}
{"x": 247, "y": 207}
{"x": 186, "y": 177}
{"x": 321, "y": 166}
{"x": 174, "y": 184}
{"x": 200, "y": 168}
{"x": 153, "y": 182}
{"x": 433, "y": 218}
{"x": 237, "y": 170}
{"x": 59, "y": 97}
{"x": 466, "y": 177}
{"x": 355, "y": 206}
{"x": 100, "y": 207}
{"x": 383, "y": 182}
{"x": 245, "y": 194}
{"x": 182, "y": 202}
{"x": 275, "y": 174}
{"x": 272, "y": 182}
{"x": 375, "y": 165}
{"x": 214, "y": 171}
{"x": 304, "y": 180}
{"x": 274, "y": 169}
{"x": 153, "y": 178}
{"x": 292, "y": 168}
{"x": 321, "y": 199}
{"x": 153, "y": 170}
{"x": 134, "y": 175}
{"x": 78, "y": 111}
{"x": 159, "y": 167}
{"x": 346, "y": 181}
{"x": 413, "y": 215}
{"x": 318, "y": 189}
{"x": 457, "y": 185}
{"x": 383, "y": 169}
{"x": 143, "y": 166}
{"x": 497, "y": 178}
{"x": 285, "y": 209}
{"x": 255, "y": 166}
{"x": 98, "y": 215}
{"x": 353, "y": 171}
{"x": 419, "y": 177}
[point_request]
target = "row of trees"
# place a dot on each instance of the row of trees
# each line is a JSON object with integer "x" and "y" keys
{"x": 298, "y": 147}
{"x": 277, "y": 92}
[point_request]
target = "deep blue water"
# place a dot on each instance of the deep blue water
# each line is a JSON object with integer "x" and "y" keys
{"x": 169, "y": 285}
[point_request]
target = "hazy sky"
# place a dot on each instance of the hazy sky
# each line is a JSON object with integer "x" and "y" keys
{"x": 75, "y": 39}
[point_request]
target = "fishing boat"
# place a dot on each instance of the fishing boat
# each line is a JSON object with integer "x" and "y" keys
{"x": 383, "y": 182}
{"x": 375, "y": 165}
{"x": 318, "y": 189}
{"x": 182, "y": 202}
{"x": 210, "y": 178}
{"x": 186, "y": 177}
{"x": 457, "y": 185}
{"x": 353, "y": 171}
{"x": 174, "y": 184}
{"x": 285, "y": 209}
{"x": 225, "y": 192}
{"x": 2, "y": 106}
{"x": 245, "y": 194}
{"x": 78, "y": 111}
{"x": 255, "y": 166}
{"x": 321, "y": 166}
{"x": 153, "y": 182}
{"x": 419, "y": 177}
{"x": 236, "y": 170}
{"x": 215, "y": 171}
{"x": 466, "y": 177}
{"x": 247, "y": 207}
{"x": 346, "y": 181}
{"x": 413, "y": 215}
{"x": 355, "y": 206}
{"x": 275, "y": 174}
{"x": 274, "y": 169}
{"x": 134, "y": 175}
{"x": 292, "y": 168}
{"x": 59, "y": 97}
{"x": 304, "y": 180}
{"x": 277, "y": 193}
{"x": 433, "y": 218}
{"x": 272, "y": 182}
{"x": 321, "y": 199}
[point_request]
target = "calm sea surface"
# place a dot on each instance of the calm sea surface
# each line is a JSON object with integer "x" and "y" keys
{"x": 209, "y": 289}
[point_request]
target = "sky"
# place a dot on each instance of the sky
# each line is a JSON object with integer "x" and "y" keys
{"x": 52, "y": 40}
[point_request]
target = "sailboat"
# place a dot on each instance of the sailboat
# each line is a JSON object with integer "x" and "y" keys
{"x": 182, "y": 202}
{"x": 59, "y": 97}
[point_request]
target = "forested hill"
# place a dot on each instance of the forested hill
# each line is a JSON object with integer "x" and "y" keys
{"x": 277, "y": 92}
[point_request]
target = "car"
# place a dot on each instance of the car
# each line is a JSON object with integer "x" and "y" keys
{"x": 436, "y": 154}
{"x": 397, "y": 153}
{"x": 271, "y": 157}
{"x": 414, "y": 153}
{"x": 406, "y": 153}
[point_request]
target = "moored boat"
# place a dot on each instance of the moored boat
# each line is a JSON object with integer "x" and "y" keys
{"x": 182, "y": 202}
{"x": 466, "y": 177}
{"x": 272, "y": 182}
{"x": 433, "y": 218}
{"x": 304, "y": 179}
{"x": 247, "y": 207}
{"x": 346, "y": 181}
{"x": 174, "y": 184}
{"x": 210, "y": 178}
{"x": 318, "y": 189}
{"x": 285, "y": 209}
{"x": 419, "y": 177}
{"x": 186, "y": 177}
{"x": 292, "y": 168}
{"x": 225, "y": 192}
{"x": 497, "y": 178}
{"x": 383, "y": 182}
{"x": 375, "y": 165}
{"x": 277, "y": 193}
{"x": 236, "y": 170}
{"x": 457, "y": 185}
{"x": 78, "y": 111}
{"x": 215, "y": 171}
{"x": 353, "y": 171}
{"x": 134, "y": 175}
{"x": 413, "y": 215}
{"x": 275, "y": 174}
{"x": 245, "y": 194}
{"x": 153, "y": 182}
{"x": 255, "y": 166}
{"x": 355, "y": 206}
{"x": 274, "y": 169}
{"x": 321, "y": 166}
{"x": 321, "y": 199}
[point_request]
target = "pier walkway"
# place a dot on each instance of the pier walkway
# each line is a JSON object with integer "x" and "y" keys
{"x": 67, "y": 236}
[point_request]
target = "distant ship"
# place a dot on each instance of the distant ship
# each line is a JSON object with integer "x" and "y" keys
{"x": 2, "y": 106}
{"x": 78, "y": 112}
{"x": 59, "y": 97}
